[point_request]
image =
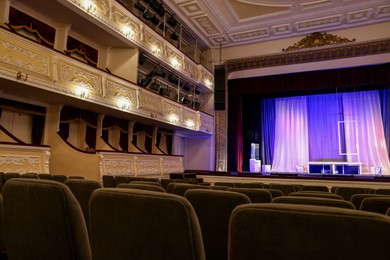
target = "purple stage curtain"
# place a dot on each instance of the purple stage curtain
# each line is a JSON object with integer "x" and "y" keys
{"x": 385, "y": 109}
{"x": 364, "y": 108}
{"x": 267, "y": 131}
{"x": 324, "y": 111}
{"x": 291, "y": 134}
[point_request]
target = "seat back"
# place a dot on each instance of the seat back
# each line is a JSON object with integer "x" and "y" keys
{"x": 141, "y": 186}
{"x": 121, "y": 179}
{"x": 140, "y": 224}
{"x": 225, "y": 184}
{"x": 319, "y": 194}
{"x": 347, "y": 192}
{"x": 314, "y": 201}
{"x": 376, "y": 204}
{"x": 82, "y": 190}
{"x": 59, "y": 177}
{"x": 213, "y": 208}
{"x": 259, "y": 185}
{"x": 285, "y": 188}
{"x": 108, "y": 181}
{"x": 47, "y": 222}
{"x": 382, "y": 191}
{"x": 275, "y": 193}
{"x": 283, "y": 231}
{"x": 314, "y": 188}
{"x": 255, "y": 195}
{"x": 181, "y": 188}
{"x": 357, "y": 199}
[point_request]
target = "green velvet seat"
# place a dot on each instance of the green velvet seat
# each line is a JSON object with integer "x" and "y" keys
{"x": 347, "y": 192}
{"x": 213, "y": 208}
{"x": 259, "y": 185}
{"x": 357, "y": 199}
{"x": 314, "y": 188}
{"x": 319, "y": 194}
{"x": 44, "y": 221}
{"x": 314, "y": 201}
{"x": 285, "y": 188}
{"x": 376, "y": 204}
{"x": 301, "y": 232}
{"x": 141, "y": 224}
{"x": 181, "y": 188}
{"x": 108, "y": 181}
{"x": 255, "y": 195}
{"x": 141, "y": 186}
{"x": 82, "y": 190}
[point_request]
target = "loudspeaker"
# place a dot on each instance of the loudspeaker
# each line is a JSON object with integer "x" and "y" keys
{"x": 220, "y": 87}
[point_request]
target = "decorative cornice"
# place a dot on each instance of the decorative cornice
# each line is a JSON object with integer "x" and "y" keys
{"x": 318, "y": 39}
{"x": 312, "y": 55}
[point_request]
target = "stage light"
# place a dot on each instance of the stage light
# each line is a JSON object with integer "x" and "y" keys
{"x": 174, "y": 36}
{"x": 155, "y": 20}
{"x": 141, "y": 58}
{"x": 158, "y": 7}
{"x": 163, "y": 27}
{"x": 185, "y": 87}
{"x": 172, "y": 21}
{"x": 147, "y": 15}
{"x": 173, "y": 79}
{"x": 140, "y": 6}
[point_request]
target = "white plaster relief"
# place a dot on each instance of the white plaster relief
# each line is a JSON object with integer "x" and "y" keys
{"x": 24, "y": 58}
{"x": 81, "y": 78}
{"x": 121, "y": 92}
{"x": 118, "y": 167}
{"x": 20, "y": 163}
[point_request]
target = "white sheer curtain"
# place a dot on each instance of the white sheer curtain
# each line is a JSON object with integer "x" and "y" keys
{"x": 291, "y": 146}
{"x": 365, "y": 109}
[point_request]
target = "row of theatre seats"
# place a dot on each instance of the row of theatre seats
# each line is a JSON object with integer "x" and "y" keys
{"x": 188, "y": 219}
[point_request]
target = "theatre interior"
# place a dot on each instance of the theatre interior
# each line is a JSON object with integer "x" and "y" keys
{"x": 194, "y": 129}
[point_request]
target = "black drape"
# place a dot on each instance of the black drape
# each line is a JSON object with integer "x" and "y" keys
{"x": 324, "y": 81}
{"x": 38, "y": 127}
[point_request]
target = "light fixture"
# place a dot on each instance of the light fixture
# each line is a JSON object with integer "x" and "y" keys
{"x": 175, "y": 63}
{"x": 174, "y": 36}
{"x": 155, "y": 50}
{"x": 173, "y": 118}
{"x": 208, "y": 82}
{"x": 123, "y": 104}
{"x": 83, "y": 93}
{"x": 20, "y": 76}
{"x": 89, "y": 5}
{"x": 128, "y": 31}
{"x": 190, "y": 123}
{"x": 172, "y": 21}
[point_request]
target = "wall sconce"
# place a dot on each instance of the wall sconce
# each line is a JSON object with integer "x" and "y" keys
{"x": 128, "y": 31}
{"x": 173, "y": 118}
{"x": 123, "y": 104}
{"x": 82, "y": 93}
{"x": 190, "y": 123}
{"x": 89, "y": 5}
{"x": 155, "y": 50}
{"x": 20, "y": 76}
{"x": 175, "y": 63}
{"x": 208, "y": 83}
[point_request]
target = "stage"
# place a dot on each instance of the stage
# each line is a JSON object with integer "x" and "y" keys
{"x": 329, "y": 180}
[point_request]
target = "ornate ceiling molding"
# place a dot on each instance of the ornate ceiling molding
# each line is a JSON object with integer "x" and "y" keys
{"x": 318, "y": 39}
{"x": 349, "y": 50}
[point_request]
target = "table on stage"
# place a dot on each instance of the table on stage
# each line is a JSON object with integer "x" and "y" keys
{"x": 335, "y": 167}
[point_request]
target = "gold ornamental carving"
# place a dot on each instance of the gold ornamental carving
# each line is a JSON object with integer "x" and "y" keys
{"x": 318, "y": 39}
{"x": 81, "y": 78}
{"x": 121, "y": 92}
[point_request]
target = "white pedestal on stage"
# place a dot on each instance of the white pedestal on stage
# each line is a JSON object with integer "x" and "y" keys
{"x": 254, "y": 165}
